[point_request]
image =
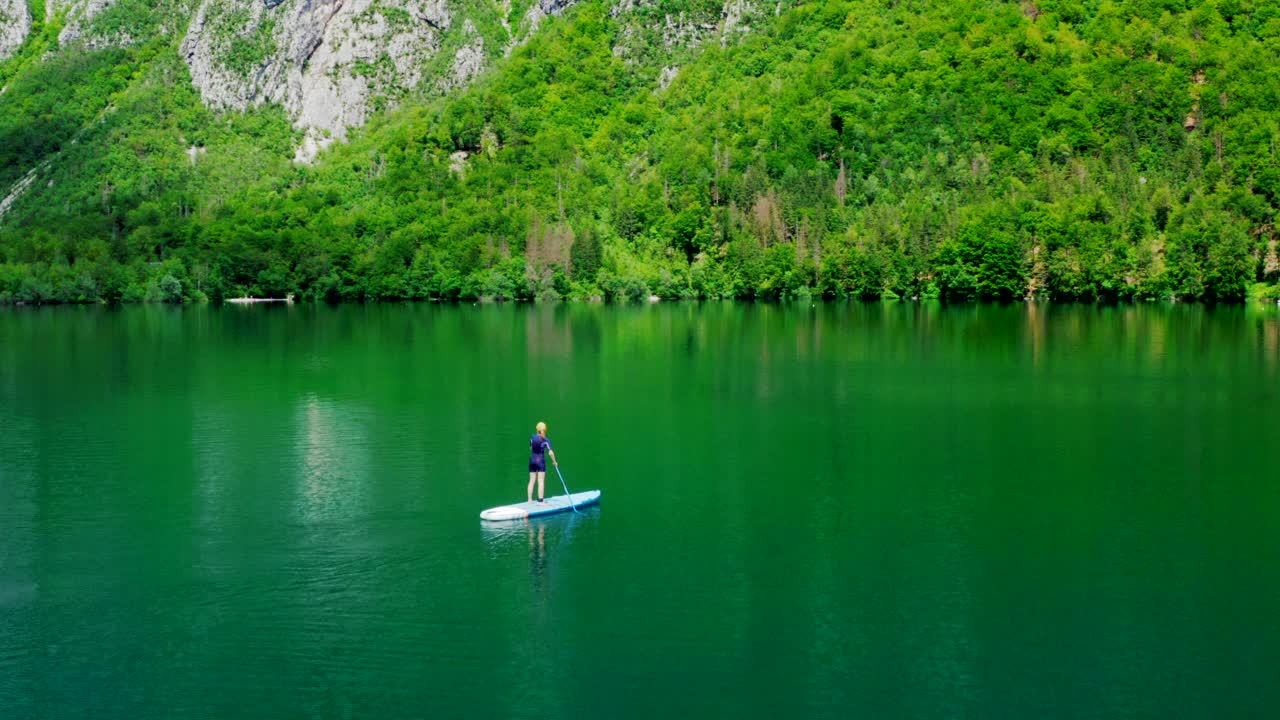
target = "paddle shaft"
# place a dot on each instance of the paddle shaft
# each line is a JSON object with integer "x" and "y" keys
{"x": 567, "y": 494}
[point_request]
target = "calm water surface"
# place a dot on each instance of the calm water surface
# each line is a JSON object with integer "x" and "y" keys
{"x": 885, "y": 511}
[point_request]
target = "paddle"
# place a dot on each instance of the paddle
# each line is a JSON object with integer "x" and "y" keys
{"x": 562, "y": 484}
{"x": 566, "y": 490}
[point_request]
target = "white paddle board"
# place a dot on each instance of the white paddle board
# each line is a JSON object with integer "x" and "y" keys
{"x": 557, "y": 504}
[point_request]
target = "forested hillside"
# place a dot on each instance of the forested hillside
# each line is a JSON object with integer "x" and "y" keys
{"x": 970, "y": 149}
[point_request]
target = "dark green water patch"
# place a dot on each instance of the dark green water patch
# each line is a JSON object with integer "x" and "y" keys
{"x": 890, "y": 510}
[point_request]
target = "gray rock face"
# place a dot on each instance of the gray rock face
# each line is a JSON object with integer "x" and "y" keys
{"x": 667, "y": 76}
{"x": 649, "y": 30}
{"x": 79, "y": 13}
{"x": 328, "y": 62}
{"x": 331, "y": 63}
{"x": 534, "y": 17}
{"x": 691, "y": 29}
{"x": 15, "y": 23}
{"x": 468, "y": 61}
{"x": 544, "y": 8}
{"x": 735, "y": 20}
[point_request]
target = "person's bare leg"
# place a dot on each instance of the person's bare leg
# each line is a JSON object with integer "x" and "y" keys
{"x": 542, "y": 478}
{"x": 532, "y": 476}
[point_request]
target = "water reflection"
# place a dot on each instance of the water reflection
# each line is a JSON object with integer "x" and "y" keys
{"x": 547, "y": 331}
{"x": 508, "y": 540}
{"x": 535, "y": 559}
{"x": 1035, "y": 330}
{"x": 1268, "y": 338}
{"x": 537, "y": 555}
{"x": 334, "y": 462}
{"x": 20, "y": 646}
{"x": 213, "y": 453}
{"x": 505, "y": 537}
{"x": 914, "y": 509}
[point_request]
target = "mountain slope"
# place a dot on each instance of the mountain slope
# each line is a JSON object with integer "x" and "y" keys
{"x": 699, "y": 149}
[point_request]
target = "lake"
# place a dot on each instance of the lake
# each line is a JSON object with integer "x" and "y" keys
{"x": 893, "y": 510}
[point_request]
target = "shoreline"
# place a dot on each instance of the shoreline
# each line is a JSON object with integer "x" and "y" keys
{"x": 654, "y": 301}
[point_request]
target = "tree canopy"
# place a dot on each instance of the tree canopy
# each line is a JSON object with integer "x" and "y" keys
{"x": 969, "y": 150}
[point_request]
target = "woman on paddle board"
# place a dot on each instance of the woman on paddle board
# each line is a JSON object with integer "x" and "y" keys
{"x": 539, "y": 448}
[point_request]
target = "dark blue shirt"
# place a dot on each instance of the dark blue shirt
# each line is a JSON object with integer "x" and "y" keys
{"x": 536, "y": 447}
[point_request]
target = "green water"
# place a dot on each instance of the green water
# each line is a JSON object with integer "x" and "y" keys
{"x": 883, "y": 511}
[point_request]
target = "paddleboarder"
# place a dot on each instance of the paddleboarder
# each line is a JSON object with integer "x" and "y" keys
{"x": 539, "y": 448}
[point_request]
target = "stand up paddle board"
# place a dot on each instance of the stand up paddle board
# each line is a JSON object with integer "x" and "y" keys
{"x": 557, "y": 504}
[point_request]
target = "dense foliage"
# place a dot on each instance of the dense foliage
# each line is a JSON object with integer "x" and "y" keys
{"x": 973, "y": 149}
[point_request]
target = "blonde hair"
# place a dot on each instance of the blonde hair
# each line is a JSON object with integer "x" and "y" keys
{"x": 540, "y": 427}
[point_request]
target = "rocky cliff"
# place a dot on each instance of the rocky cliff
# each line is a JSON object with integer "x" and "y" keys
{"x": 79, "y": 15}
{"x": 15, "y": 23}
{"x": 324, "y": 61}
{"x": 330, "y": 63}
